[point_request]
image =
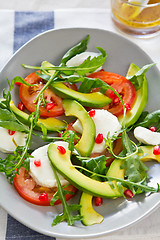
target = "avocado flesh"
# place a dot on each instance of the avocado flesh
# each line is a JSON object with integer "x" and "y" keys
{"x": 52, "y": 124}
{"x": 150, "y": 156}
{"x": 95, "y": 99}
{"x": 90, "y": 216}
{"x": 86, "y": 143}
{"x": 139, "y": 102}
{"x": 65, "y": 167}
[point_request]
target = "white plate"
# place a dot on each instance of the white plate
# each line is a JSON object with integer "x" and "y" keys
{"x": 51, "y": 46}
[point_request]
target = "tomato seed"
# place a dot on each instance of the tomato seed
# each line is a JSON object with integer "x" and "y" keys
{"x": 43, "y": 197}
{"x": 50, "y": 106}
{"x": 61, "y": 149}
{"x": 98, "y": 201}
{"x": 10, "y": 132}
{"x": 37, "y": 162}
{"x": 99, "y": 138}
{"x": 153, "y": 129}
{"x": 156, "y": 150}
{"x": 92, "y": 113}
{"x": 116, "y": 100}
{"x": 21, "y": 106}
{"x": 128, "y": 193}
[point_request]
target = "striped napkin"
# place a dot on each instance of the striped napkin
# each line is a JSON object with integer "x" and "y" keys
{"x": 19, "y": 27}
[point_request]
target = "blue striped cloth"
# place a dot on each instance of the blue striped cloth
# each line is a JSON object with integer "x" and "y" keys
{"x": 27, "y": 25}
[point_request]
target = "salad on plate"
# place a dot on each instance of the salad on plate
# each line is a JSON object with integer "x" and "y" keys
{"x": 96, "y": 135}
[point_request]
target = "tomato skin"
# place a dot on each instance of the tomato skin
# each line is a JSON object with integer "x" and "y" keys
{"x": 29, "y": 93}
{"x": 25, "y": 185}
{"x": 123, "y": 86}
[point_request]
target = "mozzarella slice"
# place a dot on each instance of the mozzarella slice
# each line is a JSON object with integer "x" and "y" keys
{"x": 105, "y": 123}
{"x": 146, "y": 136}
{"x": 9, "y": 143}
{"x": 80, "y": 58}
{"x": 43, "y": 175}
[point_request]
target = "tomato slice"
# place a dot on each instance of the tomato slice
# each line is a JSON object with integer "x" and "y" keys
{"x": 29, "y": 93}
{"x": 30, "y": 191}
{"x": 122, "y": 85}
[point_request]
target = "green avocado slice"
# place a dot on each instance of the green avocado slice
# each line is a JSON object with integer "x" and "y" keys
{"x": 90, "y": 216}
{"x": 52, "y": 124}
{"x": 65, "y": 167}
{"x": 140, "y": 101}
{"x": 86, "y": 143}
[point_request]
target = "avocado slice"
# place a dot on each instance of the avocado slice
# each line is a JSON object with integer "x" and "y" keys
{"x": 150, "y": 156}
{"x": 86, "y": 143}
{"x": 140, "y": 101}
{"x": 90, "y": 216}
{"x": 95, "y": 99}
{"x": 52, "y": 124}
{"x": 65, "y": 167}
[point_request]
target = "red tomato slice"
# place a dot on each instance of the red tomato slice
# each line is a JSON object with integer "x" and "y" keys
{"x": 29, "y": 93}
{"x": 123, "y": 86}
{"x": 30, "y": 191}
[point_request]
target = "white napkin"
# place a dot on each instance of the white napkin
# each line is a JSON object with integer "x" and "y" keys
{"x": 147, "y": 228}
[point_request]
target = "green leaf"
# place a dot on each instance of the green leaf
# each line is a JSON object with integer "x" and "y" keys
{"x": 138, "y": 78}
{"x": 77, "y": 49}
{"x": 151, "y": 119}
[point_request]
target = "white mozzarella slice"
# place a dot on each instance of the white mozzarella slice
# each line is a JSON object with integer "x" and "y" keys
{"x": 43, "y": 175}
{"x": 105, "y": 123}
{"x": 80, "y": 58}
{"x": 146, "y": 136}
{"x": 9, "y": 143}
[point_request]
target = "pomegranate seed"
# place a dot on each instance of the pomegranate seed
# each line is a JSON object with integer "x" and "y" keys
{"x": 43, "y": 197}
{"x": 112, "y": 95}
{"x": 98, "y": 201}
{"x": 92, "y": 113}
{"x": 10, "y": 132}
{"x": 116, "y": 100}
{"x": 50, "y": 106}
{"x": 102, "y": 70}
{"x": 99, "y": 138}
{"x": 18, "y": 83}
{"x": 128, "y": 193}
{"x": 127, "y": 106}
{"x": 21, "y": 106}
{"x": 37, "y": 162}
{"x": 156, "y": 150}
{"x": 61, "y": 149}
{"x": 153, "y": 129}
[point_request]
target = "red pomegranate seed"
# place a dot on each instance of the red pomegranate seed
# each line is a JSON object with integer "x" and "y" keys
{"x": 156, "y": 150}
{"x": 102, "y": 70}
{"x": 92, "y": 113}
{"x": 128, "y": 193}
{"x": 21, "y": 106}
{"x": 18, "y": 83}
{"x": 112, "y": 95}
{"x": 127, "y": 106}
{"x": 99, "y": 138}
{"x": 43, "y": 197}
{"x": 50, "y": 106}
{"x": 153, "y": 129}
{"x": 61, "y": 149}
{"x": 10, "y": 132}
{"x": 37, "y": 162}
{"x": 98, "y": 201}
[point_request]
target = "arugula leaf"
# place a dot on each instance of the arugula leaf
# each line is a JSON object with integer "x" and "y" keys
{"x": 77, "y": 49}
{"x": 67, "y": 209}
{"x": 18, "y": 79}
{"x": 138, "y": 78}
{"x": 151, "y": 119}
{"x": 135, "y": 168}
